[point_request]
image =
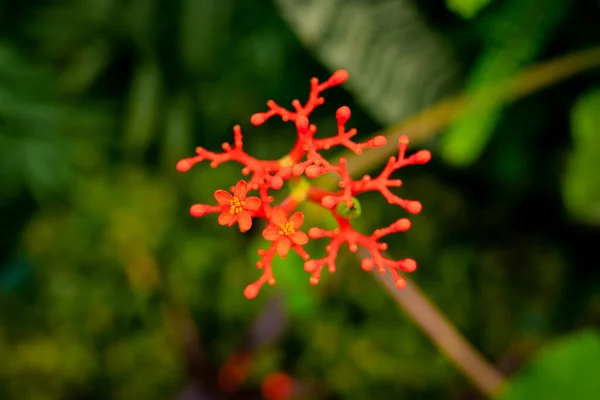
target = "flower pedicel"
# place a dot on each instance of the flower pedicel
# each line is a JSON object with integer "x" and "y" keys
{"x": 303, "y": 163}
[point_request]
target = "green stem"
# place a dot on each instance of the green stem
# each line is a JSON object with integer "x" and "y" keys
{"x": 430, "y": 122}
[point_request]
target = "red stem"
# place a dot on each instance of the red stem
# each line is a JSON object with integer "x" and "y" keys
{"x": 316, "y": 194}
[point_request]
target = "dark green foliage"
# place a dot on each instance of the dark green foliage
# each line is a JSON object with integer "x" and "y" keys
{"x": 102, "y": 266}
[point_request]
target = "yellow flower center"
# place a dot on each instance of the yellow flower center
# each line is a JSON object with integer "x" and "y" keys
{"x": 287, "y": 228}
{"x": 235, "y": 206}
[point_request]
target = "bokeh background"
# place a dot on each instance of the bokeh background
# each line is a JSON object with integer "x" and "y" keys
{"x": 109, "y": 289}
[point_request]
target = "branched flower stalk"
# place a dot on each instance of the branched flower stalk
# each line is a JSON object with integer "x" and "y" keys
{"x": 300, "y": 167}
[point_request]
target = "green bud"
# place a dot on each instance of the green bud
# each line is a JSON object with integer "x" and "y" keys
{"x": 349, "y": 212}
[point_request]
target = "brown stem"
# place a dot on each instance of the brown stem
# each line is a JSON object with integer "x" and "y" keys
{"x": 445, "y": 336}
{"x": 431, "y": 321}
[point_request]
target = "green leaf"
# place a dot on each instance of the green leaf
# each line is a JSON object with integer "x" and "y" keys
{"x": 204, "y": 32}
{"x": 581, "y": 186}
{"x": 466, "y": 8}
{"x": 179, "y": 123}
{"x": 515, "y": 36}
{"x": 85, "y": 68}
{"x": 300, "y": 297}
{"x": 566, "y": 369}
{"x": 386, "y": 46}
{"x": 143, "y": 106}
{"x": 32, "y": 137}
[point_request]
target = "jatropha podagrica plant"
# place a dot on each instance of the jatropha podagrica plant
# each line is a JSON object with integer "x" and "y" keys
{"x": 305, "y": 161}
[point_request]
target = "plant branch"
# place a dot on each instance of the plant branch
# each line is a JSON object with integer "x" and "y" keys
{"x": 424, "y": 126}
{"x": 446, "y": 337}
{"x": 427, "y": 124}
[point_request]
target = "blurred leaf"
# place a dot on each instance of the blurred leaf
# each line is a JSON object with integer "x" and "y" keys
{"x": 467, "y": 8}
{"x": 385, "y": 45}
{"x": 139, "y": 19}
{"x": 515, "y": 36}
{"x": 204, "y": 31}
{"x": 31, "y": 147}
{"x": 177, "y": 137}
{"x": 143, "y": 107}
{"x": 566, "y": 369}
{"x": 62, "y": 26}
{"x": 581, "y": 186}
{"x": 300, "y": 298}
{"x": 85, "y": 67}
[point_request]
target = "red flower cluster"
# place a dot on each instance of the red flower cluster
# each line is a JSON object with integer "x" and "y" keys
{"x": 305, "y": 161}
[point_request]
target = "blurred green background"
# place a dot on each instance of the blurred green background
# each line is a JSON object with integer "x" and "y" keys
{"x": 109, "y": 289}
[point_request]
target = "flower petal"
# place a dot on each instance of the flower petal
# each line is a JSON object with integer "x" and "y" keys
{"x": 244, "y": 221}
{"x": 226, "y": 218}
{"x": 283, "y": 246}
{"x": 222, "y": 197}
{"x": 297, "y": 219}
{"x": 299, "y": 238}
{"x": 271, "y": 234}
{"x": 240, "y": 190}
{"x": 252, "y": 203}
{"x": 278, "y": 216}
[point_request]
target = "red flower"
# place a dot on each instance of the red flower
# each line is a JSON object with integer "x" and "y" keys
{"x": 303, "y": 163}
{"x": 278, "y": 386}
{"x": 235, "y": 208}
{"x": 283, "y": 231}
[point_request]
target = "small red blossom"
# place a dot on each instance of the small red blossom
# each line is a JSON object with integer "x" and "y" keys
{"x": 303, "y": 163}
{"x": 283, "y": 231}
{"x": 283, "y": 234}
{"x": 278, "y": 386}
{"x": 234, "y": 372}
{"x": 236, "y": 207}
